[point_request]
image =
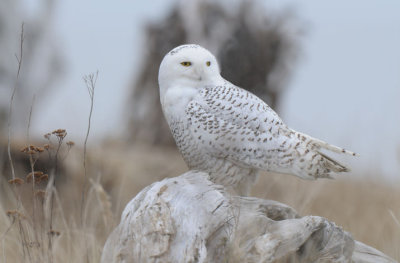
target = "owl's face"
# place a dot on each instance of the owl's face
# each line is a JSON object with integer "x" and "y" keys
{"x": 188, "y": 65}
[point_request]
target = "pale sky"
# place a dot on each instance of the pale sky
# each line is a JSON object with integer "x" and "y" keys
{"x": 345, "y": 88}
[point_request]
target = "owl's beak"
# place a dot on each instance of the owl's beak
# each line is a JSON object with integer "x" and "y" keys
{"x": 199, "y": 72}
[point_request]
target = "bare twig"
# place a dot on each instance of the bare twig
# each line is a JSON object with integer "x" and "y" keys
{"x": 394, "y": 218}
{"x": 30, "y": 118}
{"x": 19, "y": 59}
{"x": 32, "y": 161}
{"x": 90, "y": 81}
{"x": 60, "y": 140}
{"x": 60, "y": 134}
{"x": 3, "y": 236}
{"x": 24, "y": 240}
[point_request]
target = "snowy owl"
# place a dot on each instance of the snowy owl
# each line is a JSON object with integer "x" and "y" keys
{"x": 229, "y": 132}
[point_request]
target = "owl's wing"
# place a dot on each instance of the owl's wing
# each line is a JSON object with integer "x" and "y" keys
{"x": 241, "y": 107}
{"x": 233, "y": 124}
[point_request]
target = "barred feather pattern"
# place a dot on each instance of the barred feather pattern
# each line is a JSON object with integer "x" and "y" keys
{"x": 230, "y": 133}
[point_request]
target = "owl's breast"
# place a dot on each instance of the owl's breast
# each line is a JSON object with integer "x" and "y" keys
{"x": 191, "y": 151}
{"x": 175, "y": 101}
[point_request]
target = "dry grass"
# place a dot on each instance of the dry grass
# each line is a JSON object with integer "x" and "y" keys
{"x": 118, "y": 173}
{"x": 39, "y": 219}
{"x": 361, "y": 206}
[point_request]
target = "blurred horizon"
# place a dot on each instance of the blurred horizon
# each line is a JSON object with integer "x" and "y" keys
{"x": 345, "y": 87}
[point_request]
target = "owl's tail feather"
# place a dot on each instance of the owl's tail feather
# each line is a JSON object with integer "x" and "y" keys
{"x": 327, "y": 146}
{"x": 318, "y": 165}
{"x": 334, "y": 165}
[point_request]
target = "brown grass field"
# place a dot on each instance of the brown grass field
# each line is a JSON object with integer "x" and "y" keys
{"x": 369, "y": 210}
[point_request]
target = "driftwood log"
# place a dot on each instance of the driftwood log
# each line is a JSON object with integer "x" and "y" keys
{"x": 190, "y": 219}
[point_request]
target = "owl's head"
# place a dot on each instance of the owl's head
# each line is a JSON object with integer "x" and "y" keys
{"x": 188, "y": 65}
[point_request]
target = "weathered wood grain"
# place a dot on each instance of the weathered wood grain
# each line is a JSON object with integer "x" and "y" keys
{"x": 190, "y": 219}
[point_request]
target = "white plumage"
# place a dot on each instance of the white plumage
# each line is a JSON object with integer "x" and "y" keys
{"x": 229, "y": 132}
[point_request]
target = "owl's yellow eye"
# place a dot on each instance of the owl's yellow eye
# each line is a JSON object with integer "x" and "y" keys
{"x": 186, "y": 63}
{"x": 208, "y": 63}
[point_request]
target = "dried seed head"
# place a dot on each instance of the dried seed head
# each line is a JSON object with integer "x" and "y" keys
{"x": 44, "y": 177}
{"x": 54, "y": 233}
{"x": 33, "y": 244}
{"x": 16, "y": 181}
{"x": 39, "y": 149}
{"x": 46, "y": 146}
{"x": 12, "y": 212}
{"x": 37, "y": 175}
{"x": 40, "y": 194}
{"x": 60, "y": 133}
{"x": 15, "y": 214}
{"x": 25, "y": 149}
{"x": 32, "y": 149}
{"x": 47, "y": 135}
{"x": 70, "y": 143}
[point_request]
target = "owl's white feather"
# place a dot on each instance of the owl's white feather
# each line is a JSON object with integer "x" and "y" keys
{"x": 229, "y": 132}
